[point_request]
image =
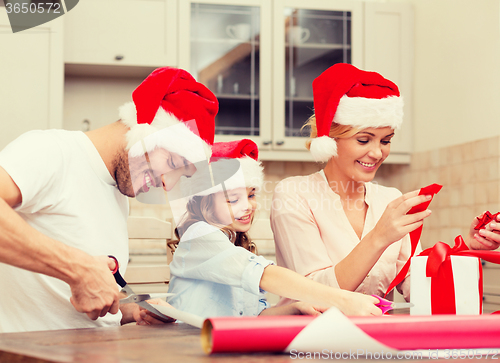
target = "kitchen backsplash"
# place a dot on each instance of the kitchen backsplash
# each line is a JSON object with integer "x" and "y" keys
{"x": 469, "y": 173}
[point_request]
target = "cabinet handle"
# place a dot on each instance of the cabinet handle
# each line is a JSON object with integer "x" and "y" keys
{"x": 119, "y": 57}
{"x": 267, "y": 142}
{"x": 279, "y": 143}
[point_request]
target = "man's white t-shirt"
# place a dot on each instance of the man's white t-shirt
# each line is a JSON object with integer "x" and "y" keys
{"x": 69, "y": 195}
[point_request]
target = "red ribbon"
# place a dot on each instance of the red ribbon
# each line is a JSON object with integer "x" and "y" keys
{"x": 439, "y": 269}
{"x": 414, "y": 235}
{"x": 485, "y": 219}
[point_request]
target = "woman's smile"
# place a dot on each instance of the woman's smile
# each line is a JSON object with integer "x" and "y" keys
{"x": 367, "y": 166}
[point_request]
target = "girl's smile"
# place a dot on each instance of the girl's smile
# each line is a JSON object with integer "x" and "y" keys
{"x": 235, "y": 208}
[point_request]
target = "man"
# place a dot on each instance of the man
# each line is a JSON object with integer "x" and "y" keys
{"x": 63, "y": 205}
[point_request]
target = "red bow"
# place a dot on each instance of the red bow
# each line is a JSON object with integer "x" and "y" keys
{"x": 486, "y": 218}
{"x": 414, "y": 235}
{"x": 439, "y": 269}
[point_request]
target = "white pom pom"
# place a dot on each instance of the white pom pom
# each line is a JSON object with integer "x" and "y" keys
{"x": 323, "y": 148}
{"x": 128, "y": 114}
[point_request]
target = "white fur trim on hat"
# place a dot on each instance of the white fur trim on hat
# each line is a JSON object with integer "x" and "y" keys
{"x": 249, "y": 175}
{"x": 179, "y": 138}
{"x": 323, "y": 148}
{"x": 370, "y": 112}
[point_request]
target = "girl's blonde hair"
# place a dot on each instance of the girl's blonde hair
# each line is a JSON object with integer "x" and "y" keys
{"x": 200, "y": 209}
{"x": 337, "y": 131}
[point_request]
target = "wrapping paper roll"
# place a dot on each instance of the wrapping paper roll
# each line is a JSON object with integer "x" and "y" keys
{"x": 403, "y": 332}
{"x": 251, "y": 334}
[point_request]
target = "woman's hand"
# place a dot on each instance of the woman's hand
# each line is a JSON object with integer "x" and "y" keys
{"x": 484, "y": 239}
{"x": 395, "y": 223}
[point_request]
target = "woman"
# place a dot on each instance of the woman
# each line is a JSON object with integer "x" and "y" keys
{"x": 336, "y": 226}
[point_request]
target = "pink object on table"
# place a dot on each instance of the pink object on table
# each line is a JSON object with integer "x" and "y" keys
{"x": 386, "y": 305}
{"x": 403, "y": 332}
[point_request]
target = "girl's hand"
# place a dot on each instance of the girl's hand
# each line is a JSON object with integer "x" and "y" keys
{"x": 354, "y": 303}
{"x": 302, "y": 308}
{"x": 145, "y": 317}
{"x": 395, "y": 223}
{"x": 484, "y": 239}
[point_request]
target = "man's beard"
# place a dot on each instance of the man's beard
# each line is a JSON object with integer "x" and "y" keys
{"x": 122, "y": 174}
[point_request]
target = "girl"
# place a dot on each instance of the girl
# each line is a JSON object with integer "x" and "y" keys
{"x": 215, "y": 273}
{"x": 336, "y": 226}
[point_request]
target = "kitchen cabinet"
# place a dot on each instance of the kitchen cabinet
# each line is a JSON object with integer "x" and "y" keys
{"x": 227, "y": 46}
{"x": 260, "y": 57}
{"x": 31, "y": 92}
{"x": 120, "y": 37}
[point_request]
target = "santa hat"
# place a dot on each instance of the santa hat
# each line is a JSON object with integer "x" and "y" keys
{"x": 232, "y": 165}
{"x": 171, "y": 97}
{"x": 347, "y": 95}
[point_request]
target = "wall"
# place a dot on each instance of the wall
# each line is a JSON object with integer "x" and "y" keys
{"x": 470, "y": 175}
{"x": 456, "y": 72}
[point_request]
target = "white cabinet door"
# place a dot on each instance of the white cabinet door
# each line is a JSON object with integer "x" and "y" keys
{"x": 308, "y": 37}
{"x": 121, "y": 32}
{"x": 226, "y": 45}
{"x": 31, "y": 80}
{"x": 389, "y": 51}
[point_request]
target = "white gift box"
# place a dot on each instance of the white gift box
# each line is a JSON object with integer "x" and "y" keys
{"x": 465, "y": 280}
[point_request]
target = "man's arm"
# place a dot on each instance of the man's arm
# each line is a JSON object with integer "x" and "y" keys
{"x": 93, "y": 288}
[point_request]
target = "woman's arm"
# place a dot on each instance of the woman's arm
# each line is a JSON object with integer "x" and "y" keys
{"x": 287, "y": 283}
{"x": 391, "y": 227}
{"x": 300, "y": 246}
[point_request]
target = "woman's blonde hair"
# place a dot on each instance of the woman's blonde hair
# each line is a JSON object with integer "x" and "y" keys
{"x": 337, "y": 131}
{"x": 200, "y": 209}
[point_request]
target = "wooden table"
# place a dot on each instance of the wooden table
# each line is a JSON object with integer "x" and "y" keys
{"x": 130, "y": 343}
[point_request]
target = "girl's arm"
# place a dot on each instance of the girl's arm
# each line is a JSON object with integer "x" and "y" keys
{"x": 287, "y": 283}
{"x": 391, "y": 227}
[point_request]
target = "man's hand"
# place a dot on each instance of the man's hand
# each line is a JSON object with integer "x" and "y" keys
{"x": 94, "y": 291}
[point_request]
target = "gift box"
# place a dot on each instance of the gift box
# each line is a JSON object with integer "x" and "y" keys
{"x": 463, "y": 294}
{"x": 444, "y": 279}
{"x": 448, "y": 280}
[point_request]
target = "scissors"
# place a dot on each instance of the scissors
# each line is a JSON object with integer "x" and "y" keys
{"x": 139, "y": 299}
{"x": 386, "y": 305}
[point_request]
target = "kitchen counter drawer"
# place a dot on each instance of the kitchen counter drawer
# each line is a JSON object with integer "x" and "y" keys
{"x": 491, "y": 303}
{"x": 491, "y": 278}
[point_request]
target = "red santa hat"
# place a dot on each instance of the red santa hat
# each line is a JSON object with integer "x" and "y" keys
{"x": 171, "y": 97}
{"x": 232, "y": 165}
{"x": 347, "y": 95}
